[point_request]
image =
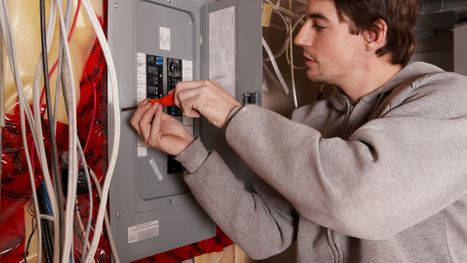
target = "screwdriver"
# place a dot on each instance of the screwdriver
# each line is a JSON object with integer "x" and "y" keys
{"x": 164, "y": 101}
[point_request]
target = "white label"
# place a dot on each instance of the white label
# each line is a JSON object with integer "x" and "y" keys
{"x": 141, "y": 94}
{"x": 143, "y": 231}
{"x": 187, "y": 70}
{"x": 222, "y": 48}
{"x": 142, "y": 149}
{"x": 140, "y": 76}
{"x": 156, "y": 170}
{"x": 164, "y": 38}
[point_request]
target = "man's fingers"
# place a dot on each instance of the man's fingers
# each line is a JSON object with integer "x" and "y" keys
{"x": 188, "y": 85}
{"x": 142, "y": 107}
{"x": 189, "y": 107}
{"x": 145, "y": 121}
{"x": 156, "y": 123}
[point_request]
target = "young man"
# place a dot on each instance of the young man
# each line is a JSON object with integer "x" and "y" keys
{"x": 373, "y": 174}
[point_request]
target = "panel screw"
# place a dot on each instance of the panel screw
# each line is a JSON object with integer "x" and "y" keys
{"x": 117, "y": 215}
{"x": 115, "y": 5}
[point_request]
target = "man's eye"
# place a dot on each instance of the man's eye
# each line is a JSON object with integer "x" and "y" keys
{"x": 318, "y": 27}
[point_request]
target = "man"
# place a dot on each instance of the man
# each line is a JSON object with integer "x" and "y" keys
{"x": 373, "y": 174}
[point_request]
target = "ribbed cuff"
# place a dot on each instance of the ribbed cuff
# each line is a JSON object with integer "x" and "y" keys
{"x": 193, "y": 156}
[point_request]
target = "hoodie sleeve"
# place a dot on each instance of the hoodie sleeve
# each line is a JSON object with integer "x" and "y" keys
{"x": 261, "y": 221}
{"x": 392, "y": 173}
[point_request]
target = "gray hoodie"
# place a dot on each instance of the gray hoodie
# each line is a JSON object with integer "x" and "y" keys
{"x": 384, "y": 180}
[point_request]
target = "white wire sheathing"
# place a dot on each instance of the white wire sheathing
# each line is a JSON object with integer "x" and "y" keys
{"x": 91, "y": 202}
{"x": 275, "y": 66}
{"x": 32, "y": 182}
{"x": 72, "y": 143}
{"x": 292, "y": 70}
{"x": 10, "y": 44}
{"x": 113, "y": 247}
{"x": 285, "y": 45}
{"x": 116, "y": 115}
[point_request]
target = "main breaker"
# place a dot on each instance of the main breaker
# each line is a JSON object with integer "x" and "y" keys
{"x": 156, "y": 44}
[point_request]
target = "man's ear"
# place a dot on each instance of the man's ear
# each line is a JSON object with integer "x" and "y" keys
{"x": 375, "y": 37}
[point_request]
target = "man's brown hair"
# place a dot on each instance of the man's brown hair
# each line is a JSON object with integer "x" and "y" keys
{"x": 399, "y": 15}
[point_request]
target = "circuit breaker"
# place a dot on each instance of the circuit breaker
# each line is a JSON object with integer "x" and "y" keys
{"x": 156, "y": 44}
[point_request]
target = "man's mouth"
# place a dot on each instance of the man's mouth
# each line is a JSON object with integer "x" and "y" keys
{"x": 309, "y": 60}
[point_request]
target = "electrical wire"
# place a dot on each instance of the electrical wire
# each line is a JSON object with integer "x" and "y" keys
{"x": 34, "y": 227}
{"x": 72, "y": 144}
{"x": 32, "y": 183}
{"x": 54, "y": 158}
{"x": 9, "y": 41}
{"x": 113, "y": 247}
{"x": 93, "y": 117}
{"x": 275, "y": 66}
{"x": 292, "y": 70}
{"x": 286, "y": 42}
{"x": 114, "y": 101}
{"x": 91, "y": 207}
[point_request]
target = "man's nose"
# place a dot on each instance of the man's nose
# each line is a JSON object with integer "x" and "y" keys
{"x": 301, "y": 39}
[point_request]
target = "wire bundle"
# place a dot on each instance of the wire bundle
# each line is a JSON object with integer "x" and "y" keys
{"x": 291, "y": 21}
{"x": 61, "y": 212}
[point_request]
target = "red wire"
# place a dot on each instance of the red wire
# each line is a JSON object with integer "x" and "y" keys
{"x": 55, "y": 65}
{"x": 70, "y": 34}
{"x": 94, "y": 110}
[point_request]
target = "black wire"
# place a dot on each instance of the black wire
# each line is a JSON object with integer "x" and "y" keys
{"x": 55, "y": 169}
{"x": 34, "y": 227}
{"x": 47, "y": 235}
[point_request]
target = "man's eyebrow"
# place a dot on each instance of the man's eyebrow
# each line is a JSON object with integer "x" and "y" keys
{"x": 317, "y": 15}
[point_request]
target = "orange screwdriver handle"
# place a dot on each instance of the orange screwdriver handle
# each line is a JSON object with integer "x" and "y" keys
{"x": 164, "y": 101}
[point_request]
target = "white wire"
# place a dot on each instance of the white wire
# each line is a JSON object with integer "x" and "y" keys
{"x": 72, "y": 144}
{"x": 276, "y": 68}
{"x": 287, "y": 53}
{"x": 116, "y": 115}
{"x": 282, "y": 10}
{"x": 286, "y": 42}
{"x": 36, "y": 89}
{"x": 292, "y": 71}
{"x": 32, "y": 182}
{"x": 91, "y": 202}
{"x": 7, "y": 31}
{"x": 113, "y": 247}
{"x": 80, "y": 222}
{"x": 47, "y": 217}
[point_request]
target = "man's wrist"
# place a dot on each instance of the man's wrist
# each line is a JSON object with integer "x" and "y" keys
{"x": 231, "y": 114}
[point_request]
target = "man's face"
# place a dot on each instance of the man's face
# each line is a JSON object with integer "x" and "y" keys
{"x": 331, "y": 52}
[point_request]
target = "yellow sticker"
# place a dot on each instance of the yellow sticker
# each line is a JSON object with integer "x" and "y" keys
{"x": 266, "y": 15}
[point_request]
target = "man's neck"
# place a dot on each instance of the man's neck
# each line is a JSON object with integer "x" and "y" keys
{"x": 367, "y": 79}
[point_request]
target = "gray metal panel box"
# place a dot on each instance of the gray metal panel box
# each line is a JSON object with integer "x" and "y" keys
{"x": 155, "y": 44}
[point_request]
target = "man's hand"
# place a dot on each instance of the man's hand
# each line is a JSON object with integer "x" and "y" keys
{"x": 205, "y": 97}
{"x": 160, "y": 130}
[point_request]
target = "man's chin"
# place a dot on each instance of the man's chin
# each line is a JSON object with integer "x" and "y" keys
{"x": 314, "y": 76}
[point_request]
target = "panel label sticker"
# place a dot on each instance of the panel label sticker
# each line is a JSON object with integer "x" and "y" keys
{"x": 222, "y": 48}
{"x": 141, "y": 93}
{"x": 164, "y": 38}
{"x": 155, "y": 169}
{"x": 140, "y": 76}
{"x": 143, "y": 231}
{"x": 187, "y": 70}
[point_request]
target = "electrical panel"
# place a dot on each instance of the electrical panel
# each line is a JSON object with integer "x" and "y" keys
{"x": 156, "y": 44}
